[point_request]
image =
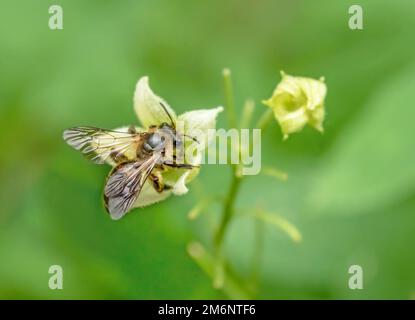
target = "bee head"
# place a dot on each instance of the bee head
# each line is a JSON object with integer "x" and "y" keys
{"x": 166, "y": 126}
{"x": 169, "y": 132}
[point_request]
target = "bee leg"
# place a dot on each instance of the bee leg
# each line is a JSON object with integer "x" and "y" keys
{"x": 167, "y": 187}
{"x": 179, "y": 165}
{"x": 157, "y": 180}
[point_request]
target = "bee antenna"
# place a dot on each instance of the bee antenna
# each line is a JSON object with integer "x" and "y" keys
{"x": 193, "y": 138}
{"x": 168, "y": 114}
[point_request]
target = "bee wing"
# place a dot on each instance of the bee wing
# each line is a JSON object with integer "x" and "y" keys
{"x": 125, "y": 183}
{"x": 100, "y": 144}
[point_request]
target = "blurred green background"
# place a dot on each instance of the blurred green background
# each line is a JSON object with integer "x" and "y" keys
{"x": 351, "y": 191}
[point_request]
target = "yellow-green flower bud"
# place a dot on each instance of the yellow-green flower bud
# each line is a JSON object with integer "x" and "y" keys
{"x": 297, "y": 101}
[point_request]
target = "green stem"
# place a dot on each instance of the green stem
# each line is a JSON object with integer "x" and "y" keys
{"x": 229, "y": 100}
{"x": 265, "y": 119}
{"x": 233, "y": 286}
{"x": 257, "y": 254}
{"x": 231, "y": 197}
{"x": 228, "y": 210}
{"x": 249, "y": 107}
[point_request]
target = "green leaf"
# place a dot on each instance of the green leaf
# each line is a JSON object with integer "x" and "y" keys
{"x": 372, "y": 163}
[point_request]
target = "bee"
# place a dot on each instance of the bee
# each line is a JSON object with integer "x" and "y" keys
{"x": 136, "y": 156}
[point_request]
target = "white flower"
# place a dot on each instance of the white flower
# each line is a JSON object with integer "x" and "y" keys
{"x": 149, "y": 109}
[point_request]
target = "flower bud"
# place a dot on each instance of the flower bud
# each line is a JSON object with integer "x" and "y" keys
{"x": 297, "y": 101}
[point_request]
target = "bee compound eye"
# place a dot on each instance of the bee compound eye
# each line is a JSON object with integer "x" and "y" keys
{"x": 155, "y": 140}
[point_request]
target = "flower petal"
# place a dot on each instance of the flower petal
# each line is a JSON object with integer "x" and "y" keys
{"x": 149, "y": 107}
{"x": 149, "y": 195}
{"x": 297, "y": 101}
{"x": 197, "y": 122}
{"x": 178, "y": 178}
{"x": 292, "y": 122}
{"x": 180, "y": 186}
